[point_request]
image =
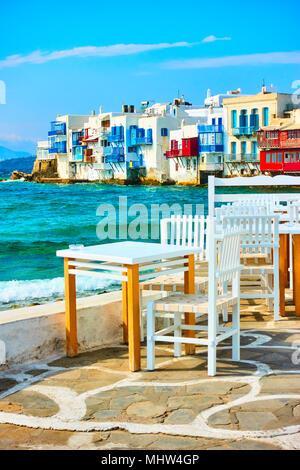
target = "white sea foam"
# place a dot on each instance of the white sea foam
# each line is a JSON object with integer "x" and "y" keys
{"x": 18, "y": 291}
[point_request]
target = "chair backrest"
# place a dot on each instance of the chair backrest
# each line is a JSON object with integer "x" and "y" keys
{"x": 260, "y": 233}
{"x": 255, "y": 182}
{"x": 185, "y": 230}
{"x": 224, "y": 263}
{"x": 236, "y": 209}
{"x": 294, "y": 213}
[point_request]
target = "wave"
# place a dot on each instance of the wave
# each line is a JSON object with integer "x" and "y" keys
{"x": 25, "y": 291}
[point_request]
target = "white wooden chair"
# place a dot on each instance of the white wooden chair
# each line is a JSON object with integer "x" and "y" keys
{"x": 224, "y": 266}
{"x": 188, "y": 231}
{"x": 260, "y": 239}
{"x": 254, "y": 182}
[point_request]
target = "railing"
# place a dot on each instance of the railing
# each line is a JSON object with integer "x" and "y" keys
{"x": 211, "y": 163}
{"x": 211, "y": 148}
{"x": 179, "y": 153}
{"x": 58, "y": 147}
{"x": 141, "y": 141}
{"x": 115, "y": 137}
{"x": 57, "y": 128}
{"x": 210, "y": 128}
{"x": 116, "y": 155}
{"x": 241, "y": 157}
{"x": 243, "y": 130}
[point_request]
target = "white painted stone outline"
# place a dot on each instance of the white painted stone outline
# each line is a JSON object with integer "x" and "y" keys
{"x": 72, "y": 406}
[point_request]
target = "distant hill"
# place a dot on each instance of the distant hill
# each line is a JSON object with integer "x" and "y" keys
{"x": 24, "y": 164}
{"x": 8, "y": 154}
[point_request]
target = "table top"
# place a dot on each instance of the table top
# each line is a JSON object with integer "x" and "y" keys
{"x": 127, "y": 252}
{"x": 293, "y": 229}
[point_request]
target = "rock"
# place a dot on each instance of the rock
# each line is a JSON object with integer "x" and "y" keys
{"x": 180, "y": 417}
{"x": 252, "y": 421}
{"x": 221, "y": 418}
{"x": 145, "y": 409}
{"x": 296, "y": 411}
{"x": 19, "y": 175}
{"x": 106, "y": 414}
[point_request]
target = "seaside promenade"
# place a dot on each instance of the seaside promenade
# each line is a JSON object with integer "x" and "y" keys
{"x": 94, "y": 402}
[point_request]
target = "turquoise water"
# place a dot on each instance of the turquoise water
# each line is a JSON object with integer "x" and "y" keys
{"x": 37, "y": 220}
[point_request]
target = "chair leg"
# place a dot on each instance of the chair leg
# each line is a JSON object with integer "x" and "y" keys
{"x": 212, "y": 344}
{"x": 150, "y": 334}
{"x": 177, "y": 332}
{"x": 142, "y": 330}
{"x": 270, "y": 290}
{"x": 276, "y": 295}
{"x": 236, "y": 336}
{"x": 225, "y": 311}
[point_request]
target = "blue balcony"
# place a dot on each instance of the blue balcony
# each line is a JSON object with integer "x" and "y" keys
{"x": 138, "y": 136}
{"x": 203, "y": 128}
{"x": 77, "y": 138}
{"x": 58, "y": 147}
{"x": 211, "y": 148}
{"x": 248, "y": 130}
{"x": 78, "y": 152}
{"x": 116, "y": 155}
{"x": 116, "y": 134}
{"x": 57, "y": 128}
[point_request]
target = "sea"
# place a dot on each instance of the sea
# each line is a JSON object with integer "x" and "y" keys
{"x": 36, "y": 220}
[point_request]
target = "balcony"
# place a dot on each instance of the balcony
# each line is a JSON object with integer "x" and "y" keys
{"x": 58, "y": 147}
{"x": 211, "y": 163}
{"x": 203, "y": 128}
{"x": 57, "y": 128}
{"x": 116, "y": 155}
{"x": 241, "y": 157}
{"x": 243, "y": 130}
{"x": 116, "y": 134}
{"x": 173, "y": 153}
{"x": 138, "y": 136}
{"x": 211, "y": 148}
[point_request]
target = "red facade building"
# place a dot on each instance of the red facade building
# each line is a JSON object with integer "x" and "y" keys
{"x": 280, "y": 149}
{"x": 188, "y": 147}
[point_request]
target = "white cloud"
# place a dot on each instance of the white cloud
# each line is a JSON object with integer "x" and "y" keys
{"x": 236, "y": 60}
{"x": 38, "y": 57}
{"x": 213, "y": 38}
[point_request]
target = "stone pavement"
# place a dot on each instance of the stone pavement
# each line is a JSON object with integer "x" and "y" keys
{"x": 93, "y": 402}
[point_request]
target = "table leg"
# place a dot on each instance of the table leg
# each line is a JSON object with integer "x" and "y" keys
{"x": 283, "y": 270}
{"x": 189, "y": 288}
{"x": 296, "y": 272}
{"x": 125, "y": 309}
{"x": 134, "y": 318}
{"x": 71, "y": 320}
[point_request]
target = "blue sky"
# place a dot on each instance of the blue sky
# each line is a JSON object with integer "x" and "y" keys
{"x": 70, "y": 57}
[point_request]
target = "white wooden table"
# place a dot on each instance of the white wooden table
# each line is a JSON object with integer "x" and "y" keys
{"x": 285, "y": 230}
{"x": 130, "y": 262}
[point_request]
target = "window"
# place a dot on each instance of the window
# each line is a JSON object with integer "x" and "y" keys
{"x": 286, "y": 157}
{"x": 195, "y": 164}
{"x": 265, "y": 116}
{"x": 164, "y": 131}
{"x": 188, "y": 164}
{"x": 243, "y": 118}
{"x": 233, "y": 118}
{"x": 279, "y": 157}
{"x": 268, "y": 157}
{"x": 233, "y": 148}
{"x": 243, "y": 148}
{"x": 274, "y": 157}
{"x": 254, "y": 148}
{"x": 176, "y": 166}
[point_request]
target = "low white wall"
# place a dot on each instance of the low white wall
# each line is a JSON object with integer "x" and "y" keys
{"x": 38, "y": 332}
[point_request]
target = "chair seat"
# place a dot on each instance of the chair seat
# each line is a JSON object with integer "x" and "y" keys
{"x": 258, "y": 269}
{"x": 192, "y": 303}
{"x": 171, "y": 283}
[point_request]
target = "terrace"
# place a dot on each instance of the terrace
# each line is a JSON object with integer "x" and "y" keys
{"x": 92, "y": 401}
